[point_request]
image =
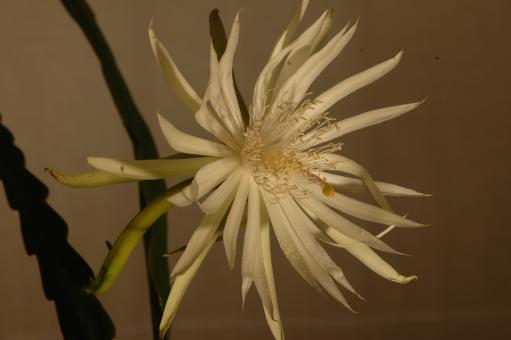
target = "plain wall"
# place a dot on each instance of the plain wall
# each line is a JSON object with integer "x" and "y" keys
{"x": 455, "y": 146}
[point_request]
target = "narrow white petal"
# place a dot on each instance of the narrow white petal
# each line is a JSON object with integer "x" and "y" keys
{"x": 180, "y": 285}
{"x": 205, "y": 231}
{"x": 186, "y": 143}
{"x": 304, "y": 47}
{"x": 150, "y": 169}
{"x": 272, "y": 314}
{"x": 353, "y": 83}
{"x": 355, "y": 123}
{"x": 251, "y": 244}
{"x": 174, "y": 78}
{"x": 365, "y": 254}
{"x": 290, "y": 30}
{"x": 209, "y": 122}
{"x": 355, "y": 185}
{"x": 206, "y": 179}
{"x": 345, "y": 88}
{"x": 225, "y": 75}
{"x": 363, "y": 210}
{"x": 321, "y": 275}
{"x": 91, "y": 179}
{"x": 343, "y": 225}
{"x": 232, "y": 224}
{"x": 286, "y": 243}
{"x": 220, "y": 194}
{"x": 303, "y": 227}
{"x": 294, "y": 89}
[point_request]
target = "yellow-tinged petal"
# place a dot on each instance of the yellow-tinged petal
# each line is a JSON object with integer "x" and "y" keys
{"x": 92, "y": 179}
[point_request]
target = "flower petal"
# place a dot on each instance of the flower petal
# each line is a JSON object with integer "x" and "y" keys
{"x": 273, "y": 319}
{"x": 251, "y": 244}
{"x": 355, "y": 123}
{"x": 287, "y": 245}
{"x": 207, "y": 178}
{"x": 150, "y": 169}
{"x": 186, "y": 143}
{"x": 203, "y": 234}
{"x": 180, "y": 285}
{"x": 232, "y": 224}
{"x": 343, "y": 225}
{"x": 220, "y": 194}
{"x": 174, "y": 78}
{"x": 290, "y": 30}
{"x": 363, "y": 210}
{"x": 303, "y": 227}
{"x": 92, "y": 179}
{"x": 294, "y": 89}
{"x": 355, "y": 185}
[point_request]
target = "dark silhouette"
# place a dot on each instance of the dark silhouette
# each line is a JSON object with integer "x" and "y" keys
{"x": 64, "y": 273}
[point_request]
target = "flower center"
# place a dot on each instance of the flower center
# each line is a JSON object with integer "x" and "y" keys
{"x": 280, "y": 166}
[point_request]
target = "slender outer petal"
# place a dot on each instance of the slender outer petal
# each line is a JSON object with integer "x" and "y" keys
{"x": 251, "y": 244}
{"x": 303, "y": 227}
{"x": 290, "y": 30}
{"x": 345, "y": 88}
{"x": 357, "y": 186}
{"x": 205, "y": 231}
{"x": 286, "y": 243}
{"x": 343, "y": 225}
{"x": 183, "y": 142}
{"x": 220, "y": 194}
{"x": 207, "y": 178}
{"x": 355, "y": 123}
{"x": 150, "y": 169}
{"x": 181, "y": 284}
{"x": 92, "y": 179}
{"x": 174, "y": 78}
{"x": 129, "y": 238}
{"x": 363, "y": 210}
{"x": 365, "y": 254}
{"x": 273, "y": 319}
{"x": 232, "y": 224}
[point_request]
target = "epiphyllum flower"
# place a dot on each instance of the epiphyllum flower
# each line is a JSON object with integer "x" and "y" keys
{"x": 280, "y": 167}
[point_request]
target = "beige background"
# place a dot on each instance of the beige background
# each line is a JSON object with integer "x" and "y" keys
{"x": 53, "y": 98}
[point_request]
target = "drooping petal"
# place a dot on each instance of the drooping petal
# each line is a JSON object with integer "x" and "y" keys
{"x": 232, "y": 224}
{"x": 343, "y": 225}
{"x": 286, "y": 243}
{"x": 251, "y": 244}
{"x": 220, "y": 194}
{"x": 174, "y": 78}
{"x": 203, "y": 234}
{"x": 365, "y": 254}
{"x": 180, "y": 285}
{"x": 150, "y": 169}
{"x": 355, "y": 123}
{"x": 186, "y": 143}
{"x": 302, "y": 225}
{"x": 92, "y": 179}
{"x": 321, "y": 275}
{"x": 273, "y": 319}
{"x": 207, "y": 178}
{"x": 363, "y": 210}
{"x": 355, "y": 185}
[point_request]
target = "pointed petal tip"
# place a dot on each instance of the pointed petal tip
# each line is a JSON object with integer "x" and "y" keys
{"x": 151, "y": 24}
{"x": 398, "y": 56}
{"x": 408, "y": 279}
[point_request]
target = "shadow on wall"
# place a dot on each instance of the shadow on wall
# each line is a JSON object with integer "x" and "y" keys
{"x": 64, "y": 273}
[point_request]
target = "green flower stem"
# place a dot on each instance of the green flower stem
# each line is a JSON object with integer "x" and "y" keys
{"x": 129, "y": 238}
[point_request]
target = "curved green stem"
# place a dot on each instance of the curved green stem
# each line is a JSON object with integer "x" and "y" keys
{"x": 129, "y": 238}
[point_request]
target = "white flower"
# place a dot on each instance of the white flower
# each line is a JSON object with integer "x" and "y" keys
{"x": 281, "y": 167}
